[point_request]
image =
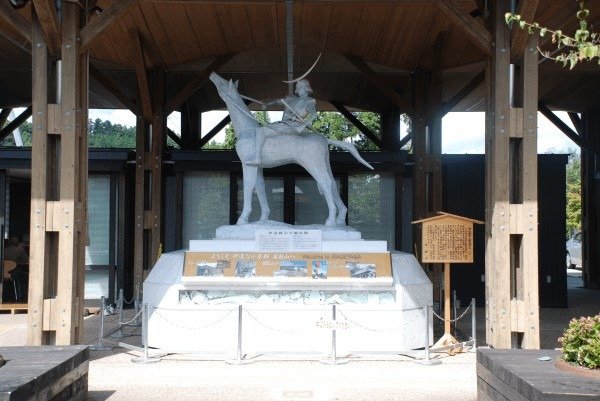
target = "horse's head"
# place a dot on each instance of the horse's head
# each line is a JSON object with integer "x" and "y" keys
{"x": 222, "y": 85}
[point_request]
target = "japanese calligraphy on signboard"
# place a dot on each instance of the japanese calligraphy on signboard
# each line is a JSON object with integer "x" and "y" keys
{"x": 447, "y": 239}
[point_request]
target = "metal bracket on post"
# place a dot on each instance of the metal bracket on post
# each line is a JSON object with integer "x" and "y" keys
{"x": 145, "y": 358}
{"x": 427, "y": 359}
{"x": 333, "y": 359}
{"x": 100, "y": 346}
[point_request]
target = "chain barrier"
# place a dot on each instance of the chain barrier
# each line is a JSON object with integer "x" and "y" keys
{"x": 362, "y": 326}
{"x": 197, "y": 327}
{"x": 133, "y": 296}
{"x": 132, "y": 319}
{"x": 297, "y": 330}
{"x": 456, "y": 318}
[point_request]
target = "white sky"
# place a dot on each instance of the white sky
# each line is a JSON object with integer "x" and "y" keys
{"x": 461, "y": 132}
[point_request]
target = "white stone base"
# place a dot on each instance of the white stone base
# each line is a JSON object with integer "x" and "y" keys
{"x": 289, "y": 327}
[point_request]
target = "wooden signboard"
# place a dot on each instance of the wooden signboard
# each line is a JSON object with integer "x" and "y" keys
{"x": 447, "y": 238}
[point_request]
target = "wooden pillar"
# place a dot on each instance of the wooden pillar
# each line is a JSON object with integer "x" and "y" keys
{"x": 590, "y": 194}
{"x": 190, "y": 127}
{"x": 59, "y": 188}
{"x": 427, "y": 149}
{"x": 390, "y": 129}
{"x": 512, "y": 306}
{"x": 151, "y": 137}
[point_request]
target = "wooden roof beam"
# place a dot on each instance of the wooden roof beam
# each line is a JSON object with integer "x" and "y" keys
{"x": 14, "y": 124}
{"x": 196, "y": 83}
{"x": 174, "y": 137}
{"x": 527, "y": 9}
{"x": 48, "y": 18}
{"x": 15, "y": 20}
{"x": 100, "y": 23}
{"x": 480, "y": 36}
{"x": 213, "y": 132}
{"x": 141, "y": 73}
{"x": 4, "y": 116}
{"x": 114, "y": 89}
{"x": 405, "y": 140}
{"x": 572, "y": 135}
{"x": 381, "y": 84}
{"x": 461, "y": 94}
{"x": 576, "y": 120}
{"x": 358, "y": 124}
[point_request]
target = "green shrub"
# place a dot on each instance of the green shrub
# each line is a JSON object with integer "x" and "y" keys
{"x": 581, "y": 342}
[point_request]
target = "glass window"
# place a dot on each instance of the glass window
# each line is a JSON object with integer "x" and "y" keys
{"x": 274, "y": 189}
{"x": 371, "y": 206}
{"x": 97, "y": 252}
{"x": 311, "y": 207}
{"x": 205, "y": 205}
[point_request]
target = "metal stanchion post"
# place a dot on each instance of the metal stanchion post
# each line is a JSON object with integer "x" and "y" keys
{"x": 427, "y": 360}
{"x": 119, "y": 332}
{"x": 145, "y": 358}
{"x": 333, "y": 359}
{"x": 100, "y": 346}
{"x": 473, "y": 325}
{"x": 239, "y": 355}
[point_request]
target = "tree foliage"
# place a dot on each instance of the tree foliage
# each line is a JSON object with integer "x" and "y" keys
{"x": 574, "y": 192}
{"x": 330, "y": 124}
{"x": 581, "y": 46}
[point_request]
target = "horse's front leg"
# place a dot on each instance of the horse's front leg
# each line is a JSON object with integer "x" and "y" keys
{"x": 249, "y": 176}
{"x": 262, "y": 196}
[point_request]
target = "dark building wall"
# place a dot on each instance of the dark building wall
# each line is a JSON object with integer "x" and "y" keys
{"x": 464, "y": 194}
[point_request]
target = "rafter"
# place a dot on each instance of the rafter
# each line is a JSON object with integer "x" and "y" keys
{"x": 475, "y": 31}
{"x": 461, "y": 94}
{"x": 99, "y": 24}
{"x": 554, "y": 119}
{"x": 527, "y": 9}
{"x": 10, "y": 127}
{"x": 196, "y": 83}
{"x": 114, "y": 89}
{"x": 213, "y": 132}
{"x": 46, "y": 13}
{"x": 407, "y": 138}
{"x": 141, "y": 73}
{"x": 381, "y": 84}
{"x": 15, "y": 20}
{"x": 356, "y": 122}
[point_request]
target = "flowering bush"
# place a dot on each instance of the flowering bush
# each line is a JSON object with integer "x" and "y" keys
{"x": 581, "y": 342}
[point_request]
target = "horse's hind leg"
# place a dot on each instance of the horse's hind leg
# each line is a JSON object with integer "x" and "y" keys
{"x": 249, "y": 177}
{"x": 262, "y": 196}
{"x": 326, "y": 182}
{"x": 342, "y": 210}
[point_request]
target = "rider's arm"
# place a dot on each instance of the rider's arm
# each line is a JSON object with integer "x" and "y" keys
{"x": 265, "y": 106}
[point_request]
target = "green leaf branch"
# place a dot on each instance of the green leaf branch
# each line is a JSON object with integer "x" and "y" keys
{"x": 581, "y": 46}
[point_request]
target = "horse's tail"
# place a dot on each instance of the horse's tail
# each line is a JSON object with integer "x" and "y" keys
{"x": 350, "y": 148}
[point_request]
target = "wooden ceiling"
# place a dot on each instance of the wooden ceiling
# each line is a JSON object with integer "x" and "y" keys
{"x": 395, "y": 39}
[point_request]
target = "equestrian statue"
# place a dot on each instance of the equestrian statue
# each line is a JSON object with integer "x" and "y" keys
{"x": 283, "y": 142}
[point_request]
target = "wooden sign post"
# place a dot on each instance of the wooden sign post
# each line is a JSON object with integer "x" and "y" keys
{"x": 446, "y": 239}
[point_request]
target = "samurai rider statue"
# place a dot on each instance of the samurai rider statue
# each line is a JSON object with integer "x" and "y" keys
{"x": 299, "y": 112}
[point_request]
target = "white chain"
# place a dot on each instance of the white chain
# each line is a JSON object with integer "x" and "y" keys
{"x": 197, "y": 327}
{"x": 456, "y": 319}
{"x": 369, "y": 328}
{"x": 133, "y": 318}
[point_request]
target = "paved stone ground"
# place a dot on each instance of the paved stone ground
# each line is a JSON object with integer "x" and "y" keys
{"x": 114, "y": 377}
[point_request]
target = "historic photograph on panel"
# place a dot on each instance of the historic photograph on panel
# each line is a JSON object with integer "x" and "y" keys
{"x": 319, "y": 269}
{"x": 211, "y": 269}
{"x": 245, "y": 268}
{"x": 361, "y": 270}
{"x": 291, "y": 268}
